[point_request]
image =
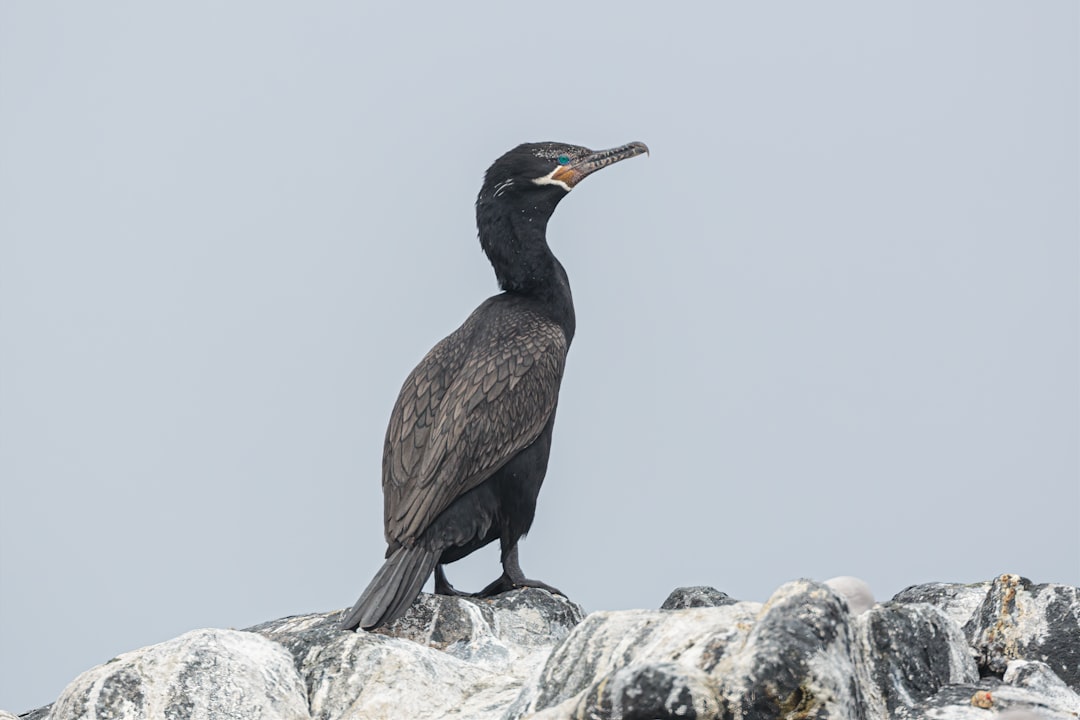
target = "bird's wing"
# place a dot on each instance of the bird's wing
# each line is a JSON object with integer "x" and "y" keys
{"x": 466, "y": 409}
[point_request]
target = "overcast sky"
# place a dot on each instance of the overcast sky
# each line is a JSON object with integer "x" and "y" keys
{"x": 828, "y": 327}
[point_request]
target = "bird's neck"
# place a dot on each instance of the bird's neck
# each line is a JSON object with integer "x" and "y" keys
{"x": 516, "y": 244}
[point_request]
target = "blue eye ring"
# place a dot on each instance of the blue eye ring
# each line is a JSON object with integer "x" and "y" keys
{"x": 564, "y": 160}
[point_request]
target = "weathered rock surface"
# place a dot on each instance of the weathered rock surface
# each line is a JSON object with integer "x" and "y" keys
{"x": 446, "y": 658}
{"x": 906, "y": 653}
{"x": 204, "y": 673}
{"x": 798, "y": 658}
{"x": 696, "y": 596}
{"x": 1028, "y": 690}
{"x": 957, "y": 601}
{"x": 811, "y": 651}
{"x": 1017, "y": 620}
{"x": 41, "y": 713}
{"x": 638, "y": 664}
{"x": 1025, "y": 639}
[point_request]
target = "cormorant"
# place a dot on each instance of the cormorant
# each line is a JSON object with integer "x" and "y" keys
{"x": 468, "y": 441}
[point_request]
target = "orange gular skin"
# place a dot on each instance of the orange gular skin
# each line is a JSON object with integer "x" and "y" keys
{"x": 568, "y": 175}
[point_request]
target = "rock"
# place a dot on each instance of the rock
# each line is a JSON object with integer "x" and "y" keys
{"x": 42, "y": 713}
{"x": 5, "y": 715}
{"x": 893, "y": 677}
{"x": 991, "y": 697}
{"x": 812, "y": 651}
{"x": 1029, "y": 690}
{"x": 957, "y": 601}
{"x": 594, "y": 671}
{"x": 493, "y": 631}
{"x": 696, "y": 596}
{"x": 1039, "y": 678}
{"x": 1020, "y": 715}
{"x": 856, "y": 592}
{"x": 446, "y": 658}
{"x": 1010, "y": 619}
{"x": 789, "y": 657}
{"x": 658, "y": 691}
{"x": 202, "y": 674}
{"x": 613, "y": 648}
{"x": 1020, "y": 621}
{"x": 797, "y": 659}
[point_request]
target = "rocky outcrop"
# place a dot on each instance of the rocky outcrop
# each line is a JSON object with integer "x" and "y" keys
{"x": 812, "y": 650}
{"x": 1025, "y": 640}
{"x": 697, "y": 596}
{"x": 446, "y": 658}
{"x": 1017, "y": 620}
{"x": 204, "y": 673}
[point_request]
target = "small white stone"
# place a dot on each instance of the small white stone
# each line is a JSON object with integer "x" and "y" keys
{"x": 857, "y": 593}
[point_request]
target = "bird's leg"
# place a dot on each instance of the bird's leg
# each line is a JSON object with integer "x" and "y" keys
{"x": 513, "y": 578}
{"x": 443, "y": 586}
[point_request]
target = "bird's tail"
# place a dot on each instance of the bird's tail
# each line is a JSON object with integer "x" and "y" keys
{"x": 392, "y": 590}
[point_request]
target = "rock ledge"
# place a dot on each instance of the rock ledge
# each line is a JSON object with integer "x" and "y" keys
{"x": 945, "y": 651}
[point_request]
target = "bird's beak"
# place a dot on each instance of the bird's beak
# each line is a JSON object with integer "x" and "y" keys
{"x": 586, "y": 165}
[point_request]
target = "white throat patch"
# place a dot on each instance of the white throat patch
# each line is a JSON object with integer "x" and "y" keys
{"x": 549, "y": 179}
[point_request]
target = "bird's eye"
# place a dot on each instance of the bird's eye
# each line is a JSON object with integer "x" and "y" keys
{"x": 564, "y": 160}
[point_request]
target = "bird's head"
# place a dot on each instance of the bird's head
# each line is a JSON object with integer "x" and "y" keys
{"x": 520, "y": 191}
{"x": 542, "y": 173}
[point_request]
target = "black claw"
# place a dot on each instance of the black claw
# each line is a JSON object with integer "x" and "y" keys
{"x": 443, "y": 586}
{"x": 505, "y": 584}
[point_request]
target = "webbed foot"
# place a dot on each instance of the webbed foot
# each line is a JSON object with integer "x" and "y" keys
{"x": 505, "y": 584}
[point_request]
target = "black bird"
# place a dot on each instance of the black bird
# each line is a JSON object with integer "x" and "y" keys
{"x": 468, "y": 441}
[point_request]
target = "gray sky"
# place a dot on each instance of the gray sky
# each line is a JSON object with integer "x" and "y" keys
{"x": 828, "y": 327}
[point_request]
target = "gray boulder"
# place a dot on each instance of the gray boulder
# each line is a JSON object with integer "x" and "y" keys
{"x": 202, "y": 674}
{"x": 1028, "y": 691}
{"x": 638, "y": 663}
{"x": 800, "y": 655}
{"x": 446, "y": 658}
{"x": 42, "y": 713}
{"x": 1012, "y": 619}
{"x": 954, "y": 599}
{"x": 905, "y": 654}
{"x": 1020, "y": 621}
{"x": 797, "y": 660}
{"x": 696, "y": 596}
{"x": 811, "y": 651}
